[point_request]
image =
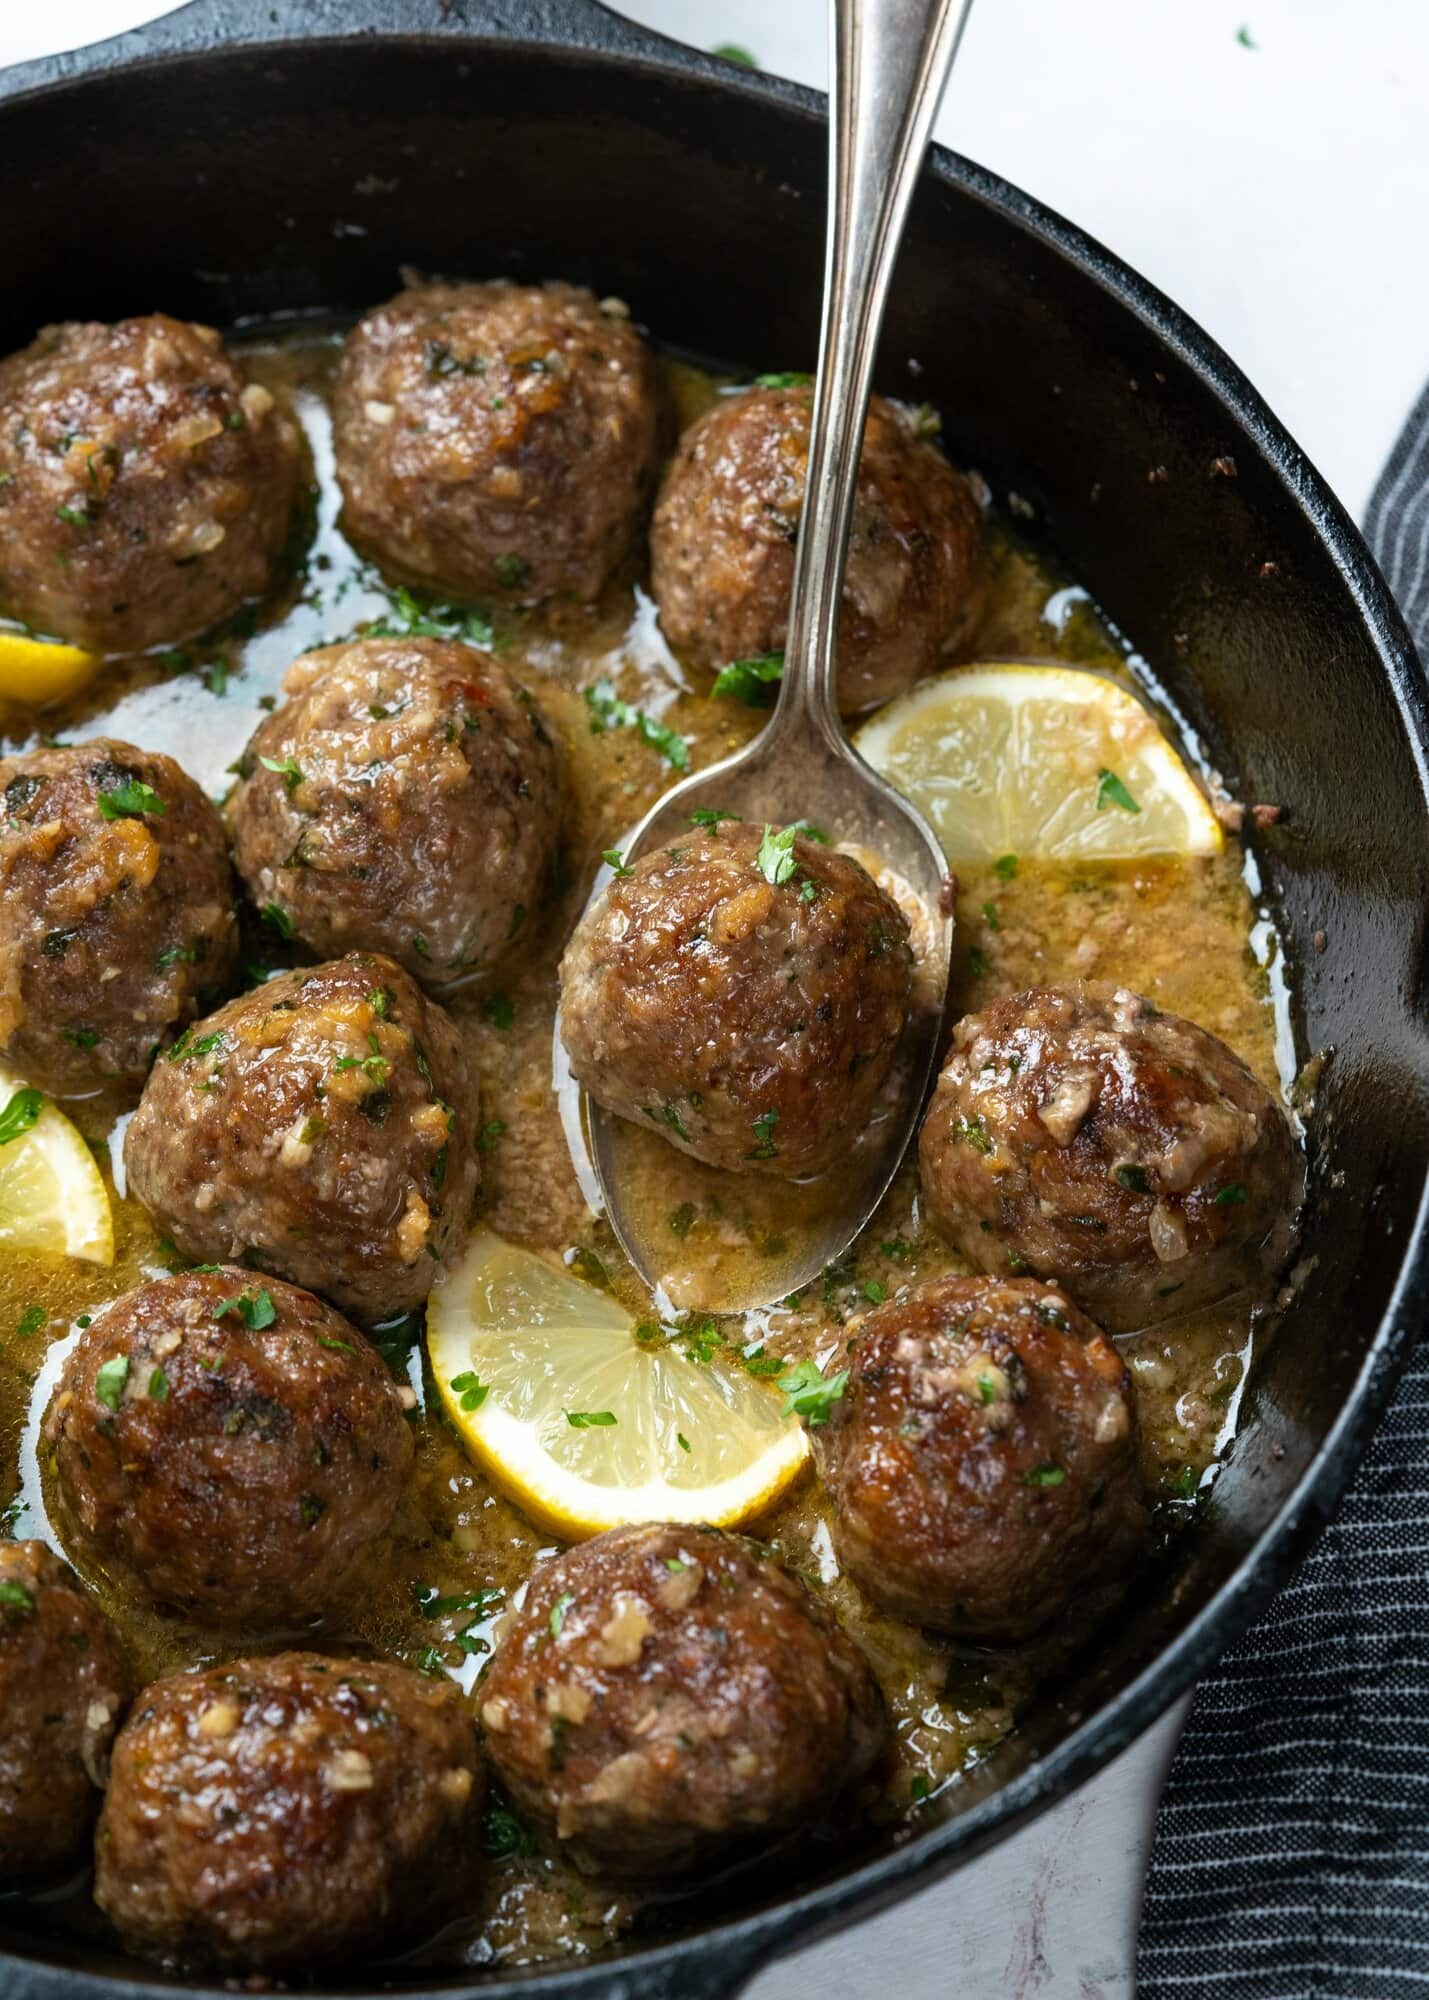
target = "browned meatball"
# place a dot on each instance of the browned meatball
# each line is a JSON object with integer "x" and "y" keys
{"x": 405, "y": 798}
{"x": 275, "y": 1813}
{"x": 322, "y": 1128}
{"x": 1081, "y": 1134}
{"x": 62, "y": 1684}
{"x": 727, "y": 518}
{"x": 982, "y": 1460}
{"x": 146, "y": 485}
{"x": 667, "y": 1696}
{"x": 741, "y": 996}
{"x": 231, "y": 1441}
{"x": 495, "y": 439}
{"x": 116, "y": 912}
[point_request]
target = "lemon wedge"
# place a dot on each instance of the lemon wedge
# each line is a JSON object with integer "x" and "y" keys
{"x": 40, "y": 672}
{"x": 1051, "y": 762}
{"x": 585, "y": 1425}
{"x": 52, "y": 1195}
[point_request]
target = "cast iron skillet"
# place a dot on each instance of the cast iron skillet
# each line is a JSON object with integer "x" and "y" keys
{"x": 241, "y": 158}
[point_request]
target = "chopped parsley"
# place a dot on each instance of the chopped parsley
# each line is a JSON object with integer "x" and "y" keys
{"x": 731, "y": 52}
{"x": 158, "y": 1385}
{"x": 874, "y": 1291}
{"x": 1044, "y": 1475}
{"x": 15, "y": 1597}
{"x": 281, "y": 922}
{"x": 1230, "y": 1196}
{"x": 20, "y": 1114}
{"x": 585, "y": 1420}
{"x": 1132, "y": 1178}
{"x": 130, "y": 799}
{"x": 775, "y": 860}
{"x": 682, "y": 1441}
{"x": 1005, "y": 867}
{"x": 710, "y": 816}
{"x": 809, "y": 1393}
{"x": 558, "y": 1612}
{"x": 764, "y": 1148}
{"x": 1242, "y": 35}
{"x": 973, "y": 1132}
{"x": 470, "y": 1387}
{"x": 682, "y": 1219}
{"x": 31, "y": 1320}
{"x": 490, "y": 1132}
{"x": 412, "y": 616}
{"x": 1112, "y": 792}
{"x": 503, "y": 1836}
{"x": 255, "y": 1309}
{"x": 752, "y": 681}
{"x": 109, "y": 1382}
{"x": 990, "y": 917}
{"x": 615, "y": 862}
{"x": 788, "y": 378}
{"x": 499, "y": 1011}
{"x": 608, "y": 711}
{"x": 287, "y": 768}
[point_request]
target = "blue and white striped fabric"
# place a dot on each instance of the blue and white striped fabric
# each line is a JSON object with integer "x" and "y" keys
{"x": 1291, "y": 1858}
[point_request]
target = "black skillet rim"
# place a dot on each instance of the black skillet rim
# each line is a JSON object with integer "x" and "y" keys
{"x": 719, "y": 1960}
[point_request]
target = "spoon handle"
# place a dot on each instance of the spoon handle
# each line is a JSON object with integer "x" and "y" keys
{"x": 889, "y": 63}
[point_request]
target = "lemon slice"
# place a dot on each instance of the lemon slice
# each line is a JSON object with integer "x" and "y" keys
{"x": 40, "y": 672}
{"x": 520, "y": 1348}
{"x": 1050, "y": 762}
{"x": 52, "y": 1195}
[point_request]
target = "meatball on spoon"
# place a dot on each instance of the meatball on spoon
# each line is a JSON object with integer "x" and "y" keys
{"x": 890, "y": 60}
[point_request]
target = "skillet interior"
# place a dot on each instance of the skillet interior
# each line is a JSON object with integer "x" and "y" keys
{"x": 298, "y": 177}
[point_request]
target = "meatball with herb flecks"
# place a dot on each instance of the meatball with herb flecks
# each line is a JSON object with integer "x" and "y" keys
{"x": 320, "y": 1128}
{"x": 1081, "y": 1135}
{"x": 727, "y": 518}
{"x": 405, "y": 798}
{"x": 982, "y": 1460}
{"x": 230, "y": 1442}
{"x": 741, "y": 992}
{"x": 63, "y": 1681}
{"x": 147, "y": 487}
{"x": 668, "y": 1697}
{"x": 271, "y": 1814}
{"x": 496, "y": 441}
{"x": 117, "y": 921}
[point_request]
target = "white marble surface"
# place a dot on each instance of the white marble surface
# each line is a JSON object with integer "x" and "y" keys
{"x": 1277, "y": 192}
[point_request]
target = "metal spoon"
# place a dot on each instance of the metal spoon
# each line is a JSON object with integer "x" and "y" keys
{"x": 890, "y": 62}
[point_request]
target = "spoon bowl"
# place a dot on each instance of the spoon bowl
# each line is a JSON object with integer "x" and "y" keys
{"x": 890, "y": 63}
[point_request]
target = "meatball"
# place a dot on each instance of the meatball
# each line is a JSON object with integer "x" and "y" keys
{"x": 275, "y": 1813}
{"x": 405, "y": 798}
{"x": 1081, "y": 1134}
{"x": 982, "y": 1460}
{"x": 116, "y": 912}
{"x": 496, "y": 439}
{"x": 668, "y": 1695}
{"x": 321, "y": 1128}
{"x": 62, "y": 1684}
{"x": 231, "y": 1442}
{"x": 742, "y": 992}
{"x": 146, "y": 485}
{"x": 727, "y": 518}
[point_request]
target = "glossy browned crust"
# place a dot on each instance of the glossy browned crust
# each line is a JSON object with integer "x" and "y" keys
{"x": 321, "y": 1128}
{"x": 695, "y": 1699}
{"x": 1078, "y": 1133}
{"x": 175, "y": 474}
{"x": 113, "y": 932}
{"x": 417, "y": 810}
{"x": 727, "y": 517}
{"x": 277, "y": 1813}
{"x": 495, "y": 440}
{"x": 982, "y": 1460}
{"x": 697, "y": 998}
{"x": 63, "y": 1681}
{"x": 237, "y": 1470}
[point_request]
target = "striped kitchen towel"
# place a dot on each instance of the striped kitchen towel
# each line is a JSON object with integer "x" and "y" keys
{"x": 1291, "y": 1856}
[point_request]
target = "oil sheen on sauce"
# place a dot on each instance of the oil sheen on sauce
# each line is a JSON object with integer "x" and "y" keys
{"x": 1185, "y": 932}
